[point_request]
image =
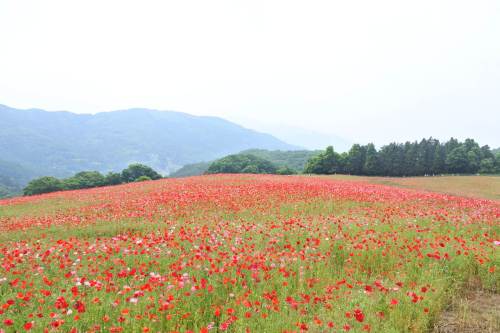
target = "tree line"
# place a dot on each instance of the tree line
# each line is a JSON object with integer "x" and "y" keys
{"x": 427, "y": 157}
{"x": 89, "y": 179}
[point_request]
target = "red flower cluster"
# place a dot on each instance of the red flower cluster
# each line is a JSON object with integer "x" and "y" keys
{"x": 236, "y": 253}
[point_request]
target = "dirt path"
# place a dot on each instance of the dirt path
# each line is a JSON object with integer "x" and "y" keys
{"x": 477, "y": 311}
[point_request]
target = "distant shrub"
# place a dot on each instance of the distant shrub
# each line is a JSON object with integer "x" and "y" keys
{"x": 114, "y": 178}
{"x": 43, "y": 185}
{"x": 286, "y": 171}
{"x": 142, "y": 179}
{"x": 84, "y": 179}
{"x": 134, "y": 171}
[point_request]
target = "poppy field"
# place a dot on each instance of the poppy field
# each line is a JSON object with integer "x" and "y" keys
{"x": 241, "y": 253}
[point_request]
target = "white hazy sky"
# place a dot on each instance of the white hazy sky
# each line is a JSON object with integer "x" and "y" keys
{"x": 363, "y": 70}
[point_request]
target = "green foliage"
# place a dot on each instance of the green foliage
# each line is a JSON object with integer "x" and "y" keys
{"x": 113, "y": 178}
{"x": 142, "y": 179}
{"x": 286, "y": 171}
{"x": 487, "y": 166}
{"x": 84, "y": 179}
{"x": 136, "y": 170}
{"x": 90, "y": 179}
{"x": 328, "y": 162}
{"x": 356, "y": 158}
{"x": 293, "y": 159}
{"x": 43, "y": 185}
{"x": 456, "y": 160}
{"x": 242, "y": 163}
{"x": 427, "y": 157}
{"x": 372, "y": 165}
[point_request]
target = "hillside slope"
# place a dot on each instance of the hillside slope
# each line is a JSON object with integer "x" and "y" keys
{"x": 62, "y": 143}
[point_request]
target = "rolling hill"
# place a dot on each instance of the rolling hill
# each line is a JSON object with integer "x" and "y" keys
{"x": 62, "y": 143}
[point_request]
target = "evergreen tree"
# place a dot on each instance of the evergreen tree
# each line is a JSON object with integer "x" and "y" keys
{"x": 355, "y": 160}
{"x": 410, "y": 160}
{"x": 438, "y": 163}
{"x": 371, "y": 166}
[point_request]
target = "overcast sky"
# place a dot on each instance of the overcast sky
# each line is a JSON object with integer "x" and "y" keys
{"x": 363, "y": 70}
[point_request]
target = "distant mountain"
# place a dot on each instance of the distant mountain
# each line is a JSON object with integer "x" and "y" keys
{"x": 62, "y": 143}
{"x": 13, "y": 177}
{"x": 302, "y": 137}
{"x": 295, "y": 160}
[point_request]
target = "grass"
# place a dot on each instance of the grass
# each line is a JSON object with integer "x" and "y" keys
{"x": 487, "y": 187}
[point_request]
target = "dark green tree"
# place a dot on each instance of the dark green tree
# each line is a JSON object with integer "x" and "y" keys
{"x": 410, "y": 159}
{"x": 419, "y": 166}
{"x": 136, "y": 170}
{"x": 438, "y": 162}
{"x": 371, "y": 167}
{"x": 113, "y": 178}
{"x": 84, "y": 179}
{"x": 486, "y": 152}
{"x": 326, "y": 163}
{"x": 457, "y": 161}
{"x": 43, "y": 185}
{"x": 355, "y": 160}
{"x": 487, "y": 166}
{"x": 392, "y": 158}
{"x": 286, "y": 171}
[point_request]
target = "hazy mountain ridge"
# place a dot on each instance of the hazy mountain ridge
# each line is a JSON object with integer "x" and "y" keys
{"x": 12, "y": 177}
{"x": 62, "y": 143}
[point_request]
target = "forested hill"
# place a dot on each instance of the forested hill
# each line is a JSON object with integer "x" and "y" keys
{"x": 294, "y": 160}
{"x": 62, "y": 143}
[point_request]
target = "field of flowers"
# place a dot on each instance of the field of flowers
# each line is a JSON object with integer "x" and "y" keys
{"x": 241, "y": 253}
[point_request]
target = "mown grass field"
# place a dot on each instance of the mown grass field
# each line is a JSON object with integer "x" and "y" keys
{"x": 245, "y": 253}
{"x": 487, "y": 187}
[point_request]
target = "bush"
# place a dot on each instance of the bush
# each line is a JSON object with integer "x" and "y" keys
{"x": 43, "y": 185}
{"x": 114, "y": 178}
{"x": 142, "y": 179}
{"x": 286, "y": 171}
{"x": 84, "y": 179}
{"x": 137, "y": 170}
